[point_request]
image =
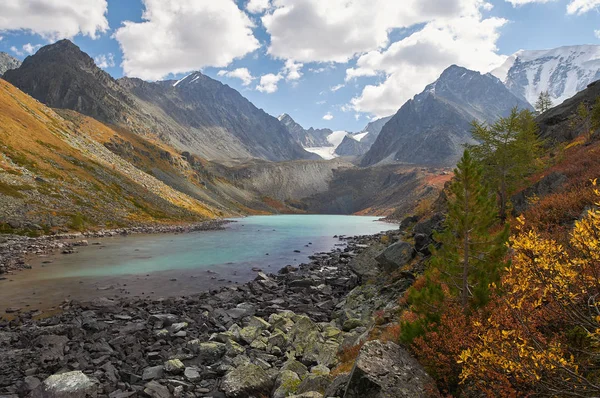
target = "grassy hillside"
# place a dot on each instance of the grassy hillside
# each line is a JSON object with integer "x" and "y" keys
{"x": 55, "y": 173}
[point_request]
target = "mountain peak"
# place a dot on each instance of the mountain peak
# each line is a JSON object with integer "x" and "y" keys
{"x": 562, "y": 71}
{"x": 8, "y": 62}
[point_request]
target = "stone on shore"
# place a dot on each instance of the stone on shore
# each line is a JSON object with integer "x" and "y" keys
{"x": 386, "y": 370}
{"x": 245, "y": 381}
{"x": 66, "y": 385}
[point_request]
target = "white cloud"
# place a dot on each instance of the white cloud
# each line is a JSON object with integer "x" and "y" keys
{"x": 337, "y": 87}
{"x": 1, "y": 38}
{"x": 257, "y": 6}
{"x": 328, "y": 31}
{"x": 410, "y": 64}
{"x": 105, "y": 60}
{"x": 357, "y": 116}
{"x": 27, "y": 49}
{"x": 55, "y": 19}
{"x": 517, "y": 3}
{"x": 328, "y": 116}
{"x": 321, "y": 102}
{"x": 268, "y": 83}
{"x": 582, "y": 6}
{"x": 292, "y": 70}
{"x": 179, "y": 36}
{"x": 240, "y": 73}
{"x": 597, "y": 33}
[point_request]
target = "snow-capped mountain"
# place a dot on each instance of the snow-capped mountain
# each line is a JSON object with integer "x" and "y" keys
{"x": 562, "y": 72}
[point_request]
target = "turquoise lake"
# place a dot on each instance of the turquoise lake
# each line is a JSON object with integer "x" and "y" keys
{"x": 178, "y": 264}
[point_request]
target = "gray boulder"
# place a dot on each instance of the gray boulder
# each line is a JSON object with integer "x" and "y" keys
{"x": 245, "y": 381}
{"x": 551, "y": 183}
{"x": 395, "y": 256}
{"x": 157, "y": 390}
{"x": 387, "y": 370}
{"x": 66, "y": 385}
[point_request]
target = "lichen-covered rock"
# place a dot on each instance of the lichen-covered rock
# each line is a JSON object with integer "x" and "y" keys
{"x": 395, "y": 256}
{"x": 249, "y": 334}
{"x": 286, "y": 384}
{"x": 351, "y": 324}
{"x": 314, "y": 382}
{"x": 208, "y": 352}
{"x": 296, "y": 367}
{"x": 310, "y": 394}
{"x": 66, "y": 385}
{"x": 174, "y": 366}
{"x": 245, "y": 381}
{"x": 387, "y": 370}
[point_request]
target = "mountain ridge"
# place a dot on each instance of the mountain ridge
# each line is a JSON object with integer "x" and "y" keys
{"x": 432, "y": 128}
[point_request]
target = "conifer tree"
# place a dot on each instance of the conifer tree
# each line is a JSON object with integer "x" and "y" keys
{"x": 544, "y": 102}
{"x": 471, "y": 256}
{"x": 509, "y": 151}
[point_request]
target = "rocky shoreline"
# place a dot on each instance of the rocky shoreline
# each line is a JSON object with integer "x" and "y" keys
{"x": 15, "y": 248}
{"x": 276, "y": 336}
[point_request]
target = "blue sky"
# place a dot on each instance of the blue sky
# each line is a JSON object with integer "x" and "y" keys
{"x": 376, "y": 59}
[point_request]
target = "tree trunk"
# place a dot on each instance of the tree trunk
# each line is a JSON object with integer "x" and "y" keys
{"x": 465, "y": 275}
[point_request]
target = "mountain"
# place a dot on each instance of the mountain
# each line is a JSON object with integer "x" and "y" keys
{"x": 310, "y": 138}
{"x": 8, "y": 62}
{"x": 199, "y": 115}
{"x": 358, "y": 144}
{"x": 351, "y": 146}
{"x": 562, "y": 72}
{"x": 432, "y": 128}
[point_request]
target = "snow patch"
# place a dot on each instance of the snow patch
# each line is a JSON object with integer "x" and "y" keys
{"x": 180, "y": 80}
{"x": 328, "y": 152}
{"x": 359, "y": 137}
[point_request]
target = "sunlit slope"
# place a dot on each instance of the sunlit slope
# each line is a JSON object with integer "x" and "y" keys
{"x": 54, "y": 173}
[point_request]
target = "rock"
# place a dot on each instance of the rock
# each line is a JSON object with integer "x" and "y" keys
{"x": 245, "y": 381}
{"x": 315, "y": 383}
{"x": 387, "y": 370}
{"x": 177, "y": 327}
{"x": 395, "y": 256}
{"x": 208, "y": 352}
{"x": 320, "y": 370}
{"x": 352, "y": 323}
{"x": 30, "y": 383}
{"x": 153, "y": 372}
{"x": 52, "y": 347}
{"x": 553, "y": 182}
{"x": 310, "y": 394}
{"x": 66, "y": 385}
{"x": 296, "y": 367}
{"x": 250, "y": 333}
{"x": 429, "y": 226}
{"x": 157, "y": 390}
{"x": 162, "y": 320}
{"x": 286, "y": 384}
{"x": 192, "y": 375}
{"x": 338, "y": 387}
{"x": 174, "y": 366}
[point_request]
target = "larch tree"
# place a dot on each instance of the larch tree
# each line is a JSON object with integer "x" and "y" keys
{"x": 544, "y": 102}
{"x": 470, "y": 257}
{"x": 509, "y": 151}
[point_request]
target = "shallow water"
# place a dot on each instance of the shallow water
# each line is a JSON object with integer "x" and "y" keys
{"x": 173, "y": 265}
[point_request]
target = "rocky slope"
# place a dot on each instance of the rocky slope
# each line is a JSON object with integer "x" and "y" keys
{"x": 562, "y": 72}
{"x": 8, "y": 62}
{"x": 431, "y": 128}
{"x": 199, "y": 115}
{"x": 563, "y": 123}
{"x": 54, "y": 174}
{"x": 307, "y": 138}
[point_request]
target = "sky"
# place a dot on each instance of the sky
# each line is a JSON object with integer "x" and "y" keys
{"x": 328, "y": 63}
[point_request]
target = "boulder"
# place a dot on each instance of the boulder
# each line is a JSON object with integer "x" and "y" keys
{"x": 66, "y": 385}
{"x": 157, "y": 390}
{"x": 153, "y": 372}
{"x": 245, "y": 381}
{"x": 395, "y": 256}
{"x": 316, "y": 383}
{"x": 208, "y": 352}
{"x": 310, "y": 394}
{"x": 286, "y": 384}
{"x": 174, "y": 366}
{"x": 553, "y": 182}
{"x": 387, "y": 370}
{"x": 192, "y": 374}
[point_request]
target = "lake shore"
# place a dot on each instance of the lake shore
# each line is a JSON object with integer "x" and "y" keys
{"x": 15, "y": 248}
